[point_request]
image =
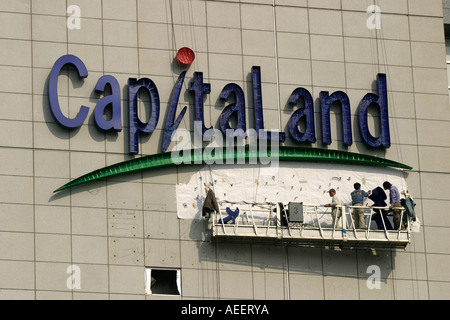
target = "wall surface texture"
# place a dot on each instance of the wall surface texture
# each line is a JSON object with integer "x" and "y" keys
{"x": 113, "y": 229}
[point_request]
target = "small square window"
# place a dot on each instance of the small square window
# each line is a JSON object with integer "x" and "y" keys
{"x": 162, "y": 281}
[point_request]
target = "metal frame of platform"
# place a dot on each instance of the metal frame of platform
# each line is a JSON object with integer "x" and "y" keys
{"x": 252, "y": 227}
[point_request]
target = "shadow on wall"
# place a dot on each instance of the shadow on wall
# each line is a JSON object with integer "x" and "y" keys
{"x": 314, "y": 260}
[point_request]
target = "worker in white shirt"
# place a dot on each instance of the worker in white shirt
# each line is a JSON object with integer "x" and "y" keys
{"x": 336, "y": 207}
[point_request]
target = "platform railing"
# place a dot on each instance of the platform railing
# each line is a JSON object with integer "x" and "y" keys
{"x": 266, "y": 220}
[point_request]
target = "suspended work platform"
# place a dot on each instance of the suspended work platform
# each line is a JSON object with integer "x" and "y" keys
{"x": 305, "y": 224}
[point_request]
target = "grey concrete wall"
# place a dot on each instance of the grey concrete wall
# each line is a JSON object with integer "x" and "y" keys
{"x": 113, "y": 229}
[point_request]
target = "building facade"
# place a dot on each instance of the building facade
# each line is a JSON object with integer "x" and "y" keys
{"x": 108, "y": 238}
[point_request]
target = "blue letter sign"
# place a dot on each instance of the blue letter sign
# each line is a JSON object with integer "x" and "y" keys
{"x": 326, "y": 101}
{"x": 113, "y": 99}
{"x": 199, "y": 89}
{"x": 53, "y": 91}
{"x": 231, "y": 92}
{"x": 380, "y": 100}
{"x": 308, "y": 111}
{"x": 258, "y": 107}
{"x": 238, "y": 108}
{"x": 171, "y": 124}
{"x": 136, "y": 125}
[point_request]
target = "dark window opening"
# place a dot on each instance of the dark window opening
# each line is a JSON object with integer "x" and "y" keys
{"x": 164, "y": 282}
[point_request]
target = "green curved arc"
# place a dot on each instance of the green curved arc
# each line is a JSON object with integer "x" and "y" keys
{"x": 196, "y": 156}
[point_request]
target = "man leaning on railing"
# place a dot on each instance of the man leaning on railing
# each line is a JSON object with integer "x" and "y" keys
{"x": 394, "y": 196}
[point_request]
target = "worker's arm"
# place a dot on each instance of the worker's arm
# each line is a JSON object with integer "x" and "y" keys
{"x": 332, "y": 204}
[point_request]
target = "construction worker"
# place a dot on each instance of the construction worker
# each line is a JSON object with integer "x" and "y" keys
{"x": 358, "y": 197}
{"x": 336, "y": 205}
{"x": 394, "y": 197}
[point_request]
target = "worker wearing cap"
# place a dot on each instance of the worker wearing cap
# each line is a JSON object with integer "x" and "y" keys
{"x": 336, "y": 205}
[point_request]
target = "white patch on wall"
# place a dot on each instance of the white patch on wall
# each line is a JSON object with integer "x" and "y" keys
{"x": 293, "y": 182}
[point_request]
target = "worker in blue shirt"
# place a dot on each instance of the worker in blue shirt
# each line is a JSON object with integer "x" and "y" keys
{"x": 394, "y": 197}
{"x": 358, "y": 197}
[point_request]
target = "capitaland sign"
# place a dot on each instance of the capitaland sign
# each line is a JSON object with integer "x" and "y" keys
{"x": 108, "y": 117}
{"x": 111, "y": 104}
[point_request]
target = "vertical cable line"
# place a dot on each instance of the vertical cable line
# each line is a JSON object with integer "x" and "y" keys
{"x": 417, "y": 143}
{"x": 275, "y": 39}
{"x": 216, "y": 244}
{"x": 70, "y": 163}
{"x": 142, "y": 173}
{"x": 192, "y": 29}
{"x": 172, "y": 26}
{"x": 243, "y": 78}
{"x": 376, "y": 57}
{"x": 175, "y": 49}
{"x": 343, "y": 52}
{"x": 288, "y": 280}
{"x": 346, "y": 89}
{"x": 381, "y": 46}
{"x": 310, "y": 52}
{"x": 33, "y": 145}
{"x": 323, "y": 271}
{"x": 106, "y": 180}
{"x": 312, "y": 87}
{"x": 286, "y": 283}
{"x": 381, "y": 52}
